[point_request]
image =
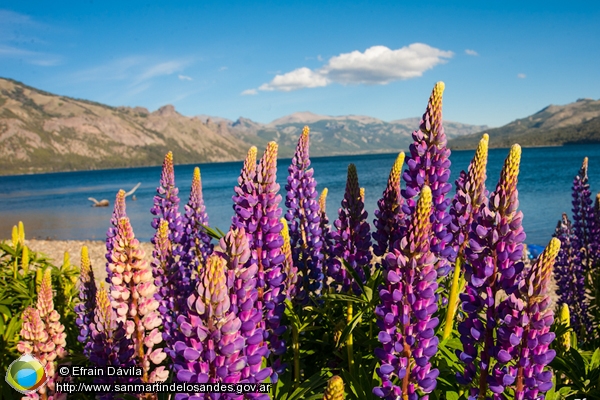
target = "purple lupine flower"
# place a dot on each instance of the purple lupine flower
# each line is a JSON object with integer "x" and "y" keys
{"x": 194, "y": 221}
{"x": 166, "y": 202}
{"x": 109, "y": 343}
{"x": 267, "y": 244}
{"x": 429, "y": 164}
{"x": 470, "y": 195}
{"x": 117, "y": 214}
{"x": 87, "y": 297}
{"x": 389, "y": 216}
{"x": 405, "y": 315}
{"x": 569, "y": 274}
{"x": 351, "y": 238}
{"x": 585, "y": 226}
{"x": 132, "y": 294}
{"x": 533, "y": 378}
{"x": 244, "y": 200}
{"x": 493, "y": 263}
{"x": 241, "y": 281}
{"x": 211, "y": 349}
{"x": 304, "y": 220}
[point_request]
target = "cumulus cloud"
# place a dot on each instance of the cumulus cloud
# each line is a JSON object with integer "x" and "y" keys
{"x": 184, "y": 78}
{"x": 296, "y": 79}
{"x": 521, "y": 76}
{"x": 377, "y": 65}
{"x": 470, "y": 52}
{"x": 223, "y": 68}
{"x": 249, "y": 92}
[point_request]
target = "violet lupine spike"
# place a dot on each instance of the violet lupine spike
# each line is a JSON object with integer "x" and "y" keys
{"x": 585, "y": 226}
{"x": 570, "y": 274}
{"x": 87, "y": 297}
{"x": 289, "y": 268}
{"x": 244, "y": 199}
{"x": 534, "y": 379}
{"x": 405, "y": 314}
{"x": 493, "y": 263}
{"x": 389, "y": 216}
{"x": 351, "y": 238}
{"x": 304, "y": 220}
{"x": 241, "y": 281}
{"x": 166, "y": 202}
{"x": 268, "y": 243}
{"x": 118, "y": 213}
{"x": 132, "y": 296}
{"x": 429, "y": 164}
{"x": 470, "y": 195}
{"x": 109, "y": 343}
{"x": 212, "y": 345}
{"x": 194, "y": 221}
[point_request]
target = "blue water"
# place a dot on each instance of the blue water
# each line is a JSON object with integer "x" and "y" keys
{"x": 55, "y": 205}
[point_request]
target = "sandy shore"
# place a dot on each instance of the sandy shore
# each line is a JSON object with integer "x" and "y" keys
{"x": 55, "y": 250}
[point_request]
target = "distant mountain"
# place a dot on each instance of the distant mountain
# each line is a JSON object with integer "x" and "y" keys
{"x": 43, "y": 132}
{"x": 577, "y": 122}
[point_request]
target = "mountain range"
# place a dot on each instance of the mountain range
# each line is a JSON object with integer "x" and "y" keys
{"x": 555, "y": 125}
{"x": 44, "y": 132}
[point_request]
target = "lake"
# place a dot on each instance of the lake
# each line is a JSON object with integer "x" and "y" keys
{"x": 55, "y": 206}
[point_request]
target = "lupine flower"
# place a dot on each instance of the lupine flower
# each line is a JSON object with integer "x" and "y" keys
{"x": 241, "y": 281}
{"x": 334, "y": 389}
{"x": 470, "y": 195}
{"x": 493, "y": 263}
{"x": 195, "y": 236}
{"x": 304, "y": 220}
{"x": 405, "y": 315}
{"x": 132, "y": 296}
{"x": 211, "y": 351}
{"x": 118, "y": 213}
{"x": 351, "y": 238}
{"x": 256, "y": 205}
{"x": 166, "y": 202}
{"x": 325, "y": 228}
{"x": 44, "y": 335}
{"x": 533, "y": 378}
{"x": 268, "y": 243}
{"x": 585, "y": 226}
{"x": 429, "y": 164}
{"x": 87, "y": 297}
{"x": 569, "y": 273}
{"x": 289, "y": 268}
{"x": 109, "y": 345}
{"x": 245, "y": 199}
{"x": 389, "y": 216}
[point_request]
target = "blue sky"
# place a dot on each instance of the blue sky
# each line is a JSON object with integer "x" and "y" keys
{"x": 500, "y": 60}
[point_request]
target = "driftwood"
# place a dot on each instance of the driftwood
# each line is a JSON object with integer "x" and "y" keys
{"x": 106, "y": 203}
{"x": 101, "y": 203}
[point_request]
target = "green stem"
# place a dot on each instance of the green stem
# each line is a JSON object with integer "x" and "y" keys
{"x": 350, "y": 341}
{"x": 15, "y": 269}
{"x": 453, "y": 300}
{"x": 296, "y": 347}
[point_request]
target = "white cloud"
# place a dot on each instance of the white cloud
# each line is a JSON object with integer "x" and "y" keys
{"x": 164, "y": 68}
{"x": 249, "y": 92}
{"x": 471, "y": 52}
{"x": 184, "y": 77}
{"x": 18, "y": 33}
{"x": 296, "y": 79}
{"x": 377, "y": 65}
{"x": 521, "y": 76}
{"x": 319, "y": 58}
{"x": 136, "y": 69}
{"x": 223, "y": 69}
